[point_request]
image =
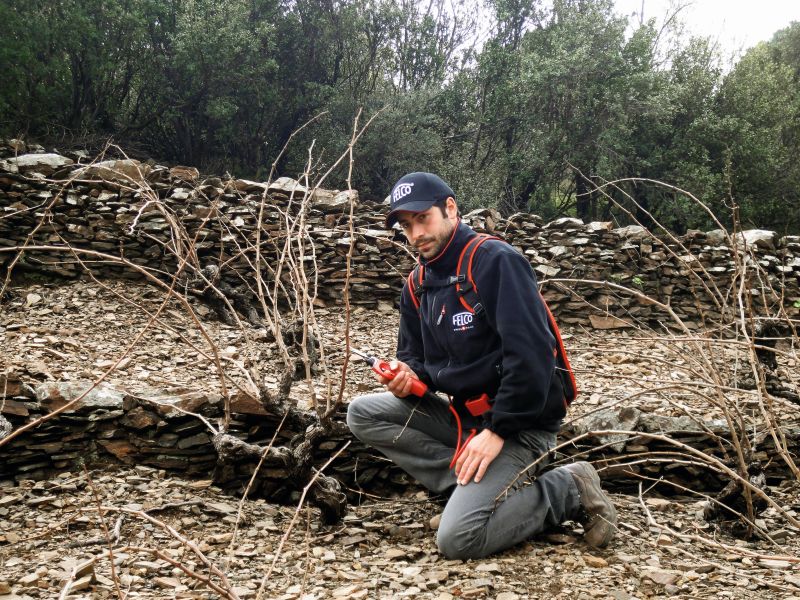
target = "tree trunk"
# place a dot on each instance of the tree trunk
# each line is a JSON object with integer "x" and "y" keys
{"x": 583, "y": 203}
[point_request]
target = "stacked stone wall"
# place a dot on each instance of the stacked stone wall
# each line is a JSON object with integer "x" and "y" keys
{"x": 152, "y": 429}
{"x": 123, "y": 208}
{"x": 155, "y": 430}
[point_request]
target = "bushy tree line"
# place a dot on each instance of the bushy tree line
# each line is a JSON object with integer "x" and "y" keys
{"x": 522, "y": 105}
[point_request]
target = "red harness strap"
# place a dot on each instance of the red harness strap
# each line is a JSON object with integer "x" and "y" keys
{"x": 560, "y": 352}
{"x": 459, "y": 446}
{"x": 413, "y": 287}
{"x": 466, "y": 284}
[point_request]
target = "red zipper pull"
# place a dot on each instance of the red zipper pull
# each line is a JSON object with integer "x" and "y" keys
{"x": 441, "y": 315}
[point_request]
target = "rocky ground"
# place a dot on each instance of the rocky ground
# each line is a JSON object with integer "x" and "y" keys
{"x": 385, "y": 548}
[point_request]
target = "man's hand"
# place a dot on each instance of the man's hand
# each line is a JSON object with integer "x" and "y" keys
{"x": 477, "y": 456}
{"x": 400, "y": 386}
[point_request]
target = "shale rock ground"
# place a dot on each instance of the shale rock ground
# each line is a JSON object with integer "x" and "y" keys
{"x": 385, "y": 548}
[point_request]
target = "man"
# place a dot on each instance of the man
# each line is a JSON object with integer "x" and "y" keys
{"x": 506, "y": 351}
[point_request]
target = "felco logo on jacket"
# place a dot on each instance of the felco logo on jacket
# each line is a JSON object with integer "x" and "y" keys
{"x": 463, "y": 321}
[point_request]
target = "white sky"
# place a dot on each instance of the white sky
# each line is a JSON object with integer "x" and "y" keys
{"x": 737, "y": 24}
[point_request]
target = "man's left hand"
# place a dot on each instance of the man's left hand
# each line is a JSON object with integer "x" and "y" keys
{"x": 477, "y": 456}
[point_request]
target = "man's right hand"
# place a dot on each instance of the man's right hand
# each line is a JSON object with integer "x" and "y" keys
{"x": 400, "y": 386}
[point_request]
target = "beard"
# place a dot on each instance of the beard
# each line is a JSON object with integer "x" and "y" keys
{"x": 430, "y": 246}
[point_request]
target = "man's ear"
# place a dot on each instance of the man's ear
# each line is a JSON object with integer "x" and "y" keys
{"x": 451, "y": 208}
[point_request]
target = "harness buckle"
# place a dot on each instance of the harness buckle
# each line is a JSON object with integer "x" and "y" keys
{"x": 479, "y": 405}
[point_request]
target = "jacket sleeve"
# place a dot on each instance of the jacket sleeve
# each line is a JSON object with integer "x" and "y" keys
{"x": 410, "y": 349}
{"x": 514, "y": 308}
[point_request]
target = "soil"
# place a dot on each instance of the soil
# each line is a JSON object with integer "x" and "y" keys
{"x": 386, "y": 547}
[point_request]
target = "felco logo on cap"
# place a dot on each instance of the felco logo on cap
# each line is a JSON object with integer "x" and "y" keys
{"x": 401, "y": 191}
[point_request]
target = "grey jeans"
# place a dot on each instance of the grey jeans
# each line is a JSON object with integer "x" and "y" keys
{"x": 480, "y": 518}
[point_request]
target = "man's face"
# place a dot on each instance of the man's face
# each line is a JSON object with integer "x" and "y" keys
{"x": 429, "y": 231}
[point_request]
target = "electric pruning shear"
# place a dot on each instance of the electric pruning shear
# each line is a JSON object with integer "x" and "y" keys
{"x": 476, "y": 406}
{"x": 382, "y": 368}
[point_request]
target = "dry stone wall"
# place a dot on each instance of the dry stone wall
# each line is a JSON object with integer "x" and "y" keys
{"x": 124, "y": 208}
{"x": 154, "y": 430}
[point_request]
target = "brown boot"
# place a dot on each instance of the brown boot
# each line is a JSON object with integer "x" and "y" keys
{"x": 600, "y": 516}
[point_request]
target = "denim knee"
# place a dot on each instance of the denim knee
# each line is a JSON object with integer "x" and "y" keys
{"x": 363, "y": 413}
{"x": 356, "y": 415}
{"x": 459, "y": 543}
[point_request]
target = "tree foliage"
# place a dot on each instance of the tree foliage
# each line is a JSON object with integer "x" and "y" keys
{"x": 519, "y": 104}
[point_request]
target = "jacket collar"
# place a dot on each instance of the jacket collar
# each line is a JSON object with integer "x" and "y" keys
{"x": 447, "y": 260}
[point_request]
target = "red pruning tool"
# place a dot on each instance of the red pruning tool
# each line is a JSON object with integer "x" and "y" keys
{"x": 382, "y": 368}
{"x": 418, "y": 388}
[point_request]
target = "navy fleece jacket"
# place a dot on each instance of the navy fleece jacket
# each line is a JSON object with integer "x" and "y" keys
{"x": 508, "y": 352}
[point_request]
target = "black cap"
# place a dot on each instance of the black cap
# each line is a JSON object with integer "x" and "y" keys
{"x": 416, "y": 192}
